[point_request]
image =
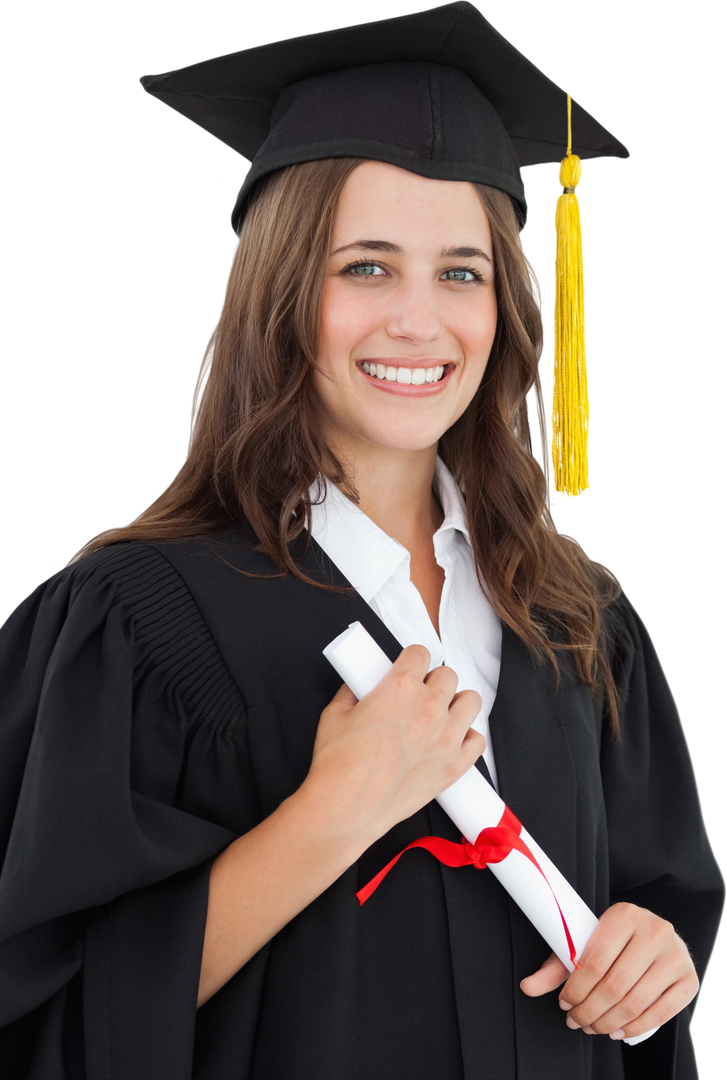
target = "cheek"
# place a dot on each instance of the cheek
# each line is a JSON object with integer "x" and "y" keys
{"x": 488, "y": 318}
{"x": 476, "y": 328}
{"x": 345, "y": 320}
{"x": 333, "y": 319}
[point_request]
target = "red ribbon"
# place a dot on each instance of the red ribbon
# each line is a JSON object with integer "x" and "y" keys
{"x": 491, "y": 846}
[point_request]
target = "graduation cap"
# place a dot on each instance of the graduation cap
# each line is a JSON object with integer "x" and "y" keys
{"x": 440, "y": 93}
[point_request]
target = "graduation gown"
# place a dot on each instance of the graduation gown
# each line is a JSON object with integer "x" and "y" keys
{"x": 156, "y": 703}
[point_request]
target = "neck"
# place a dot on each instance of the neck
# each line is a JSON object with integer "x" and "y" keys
{"x": 398, "y": 496}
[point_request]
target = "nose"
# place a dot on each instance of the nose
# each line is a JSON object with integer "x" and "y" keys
{"x": 414, "y": 315}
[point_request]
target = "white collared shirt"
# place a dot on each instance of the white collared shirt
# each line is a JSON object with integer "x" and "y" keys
{"x": 378, "y": 567}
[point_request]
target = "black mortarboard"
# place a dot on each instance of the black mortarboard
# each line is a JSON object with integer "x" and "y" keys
{"x": 440, "y": 92}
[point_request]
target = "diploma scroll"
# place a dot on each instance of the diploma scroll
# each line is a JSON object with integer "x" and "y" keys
{"x": 536, "y": 885}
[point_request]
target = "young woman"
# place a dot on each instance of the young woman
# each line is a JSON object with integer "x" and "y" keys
{"x": 191, "y": 800}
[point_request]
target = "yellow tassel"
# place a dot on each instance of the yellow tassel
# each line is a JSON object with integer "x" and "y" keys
{"x": 570, "y": 395}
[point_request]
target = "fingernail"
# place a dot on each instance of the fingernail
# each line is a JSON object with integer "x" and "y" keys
{"x": 565, "y": 1005}
{"x": 571, "y": 1023}
{"x": 620, "y": 1034}
{"x": 589, "y": 1030}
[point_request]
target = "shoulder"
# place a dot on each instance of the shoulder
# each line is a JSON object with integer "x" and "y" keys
{"x": 128, "y": 579}
{"x": 119, "y": 617}
{"x": 141, "y": 574}
{"x": 627, "y": 640}
{"x": 109, "y": 595}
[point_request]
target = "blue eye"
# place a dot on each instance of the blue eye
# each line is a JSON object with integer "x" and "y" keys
{"x": 364, "y": 269}
{"x": 371, "y": 267}
{"x": 475, "y": 274}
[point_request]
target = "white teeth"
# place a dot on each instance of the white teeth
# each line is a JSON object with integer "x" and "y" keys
{"x": 404, "y": 375}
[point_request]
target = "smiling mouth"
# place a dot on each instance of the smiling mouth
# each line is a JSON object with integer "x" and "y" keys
{"x": 406, "y": 376}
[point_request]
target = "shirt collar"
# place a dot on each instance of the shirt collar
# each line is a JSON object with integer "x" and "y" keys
{"x": 362, "y": 551}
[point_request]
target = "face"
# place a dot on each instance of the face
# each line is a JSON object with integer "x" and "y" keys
{"x": 408, "y": 311}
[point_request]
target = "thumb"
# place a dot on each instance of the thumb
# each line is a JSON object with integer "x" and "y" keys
{"x": 550, "y": 976}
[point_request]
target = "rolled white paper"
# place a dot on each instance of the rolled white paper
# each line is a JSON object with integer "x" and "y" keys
{"x": 474, "y": 805}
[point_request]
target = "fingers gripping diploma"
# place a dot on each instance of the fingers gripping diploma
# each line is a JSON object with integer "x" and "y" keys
{"x": 636, "y": 974}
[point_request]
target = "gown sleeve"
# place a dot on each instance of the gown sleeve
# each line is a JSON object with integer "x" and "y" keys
{"x": 103, "y": 888}
{"x": 659, "y": 854}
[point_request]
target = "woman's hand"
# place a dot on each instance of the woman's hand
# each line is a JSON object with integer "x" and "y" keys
{"x": 383, "y": 758}
{"x": 636, "y": 974}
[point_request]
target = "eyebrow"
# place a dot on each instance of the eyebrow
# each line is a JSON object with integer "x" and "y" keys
{"x": 394, "y": 249}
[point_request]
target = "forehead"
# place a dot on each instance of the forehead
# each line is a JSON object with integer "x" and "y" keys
{"x": 383, "y": 202}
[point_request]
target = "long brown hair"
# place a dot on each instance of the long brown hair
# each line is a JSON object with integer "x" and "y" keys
{"x": 255, "y": 449}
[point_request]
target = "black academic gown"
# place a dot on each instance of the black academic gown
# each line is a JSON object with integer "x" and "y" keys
{"x": 156, "y": 703}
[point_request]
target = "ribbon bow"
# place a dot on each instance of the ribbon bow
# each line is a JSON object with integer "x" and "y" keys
{"x": 491, "y": 846}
